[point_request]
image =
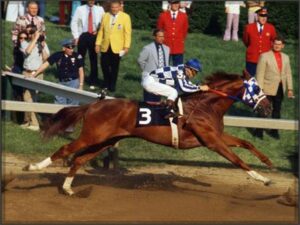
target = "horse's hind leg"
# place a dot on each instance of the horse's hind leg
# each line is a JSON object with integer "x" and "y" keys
{"x": 63, "y": 152}
{"x": 77, "y": 162}
{"x": 232, "y": 141}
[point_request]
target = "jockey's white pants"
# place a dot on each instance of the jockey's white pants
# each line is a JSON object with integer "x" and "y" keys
{"x": 154, "y": 87}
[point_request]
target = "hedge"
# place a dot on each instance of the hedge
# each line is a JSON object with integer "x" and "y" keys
{"x": 210, "y": 18}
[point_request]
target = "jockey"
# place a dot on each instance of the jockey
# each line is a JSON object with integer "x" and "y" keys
{"x": 169, "y": 80}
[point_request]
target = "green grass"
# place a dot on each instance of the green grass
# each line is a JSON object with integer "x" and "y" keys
{"x": 214, "y": 54}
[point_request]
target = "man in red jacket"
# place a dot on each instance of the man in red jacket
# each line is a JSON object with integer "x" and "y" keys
{"x": 258, "y": 38}
{"x": 175, "y": 25}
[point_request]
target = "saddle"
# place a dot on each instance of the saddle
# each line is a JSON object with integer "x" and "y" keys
{"x": 152, "y": 114}
{"x": 156, "y": 113}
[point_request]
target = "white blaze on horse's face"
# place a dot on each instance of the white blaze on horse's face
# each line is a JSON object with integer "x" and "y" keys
{"x": 253, "y": 93}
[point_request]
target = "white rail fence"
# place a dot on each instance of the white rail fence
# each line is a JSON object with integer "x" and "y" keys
{"x": 234, "y": 121}
{"x": 87, "y": 97}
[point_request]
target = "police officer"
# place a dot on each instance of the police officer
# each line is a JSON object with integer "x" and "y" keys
{"x": 70, "y": 69}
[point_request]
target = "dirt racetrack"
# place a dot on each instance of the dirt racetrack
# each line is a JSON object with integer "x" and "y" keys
{"x": 152, "y": 194}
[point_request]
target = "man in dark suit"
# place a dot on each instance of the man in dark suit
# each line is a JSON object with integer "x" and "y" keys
{"x": 258, "y": 38}
{"x": 153, "y": 56}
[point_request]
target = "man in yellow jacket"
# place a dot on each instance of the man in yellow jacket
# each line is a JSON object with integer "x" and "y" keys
{"x": 113, "y": 40}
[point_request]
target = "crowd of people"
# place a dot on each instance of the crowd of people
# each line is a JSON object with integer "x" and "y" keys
{"x": 107, "y": 28}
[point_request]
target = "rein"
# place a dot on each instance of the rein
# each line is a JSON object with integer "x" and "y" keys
{"x": 223, "y": 94}
{"x": 220, "y": 93}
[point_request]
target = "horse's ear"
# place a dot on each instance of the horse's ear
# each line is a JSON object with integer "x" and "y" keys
{"x": 246, "y": 75}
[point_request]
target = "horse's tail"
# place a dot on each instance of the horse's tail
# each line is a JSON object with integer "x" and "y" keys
{"x": 64, "y": 118}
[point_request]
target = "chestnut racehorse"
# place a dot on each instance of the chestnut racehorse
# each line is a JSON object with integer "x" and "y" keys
{"x": 107, "y": 121}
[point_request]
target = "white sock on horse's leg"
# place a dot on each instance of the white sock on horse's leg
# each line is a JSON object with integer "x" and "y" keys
{"x": 44, "y": 163}
{"x": 38, "y": 166}
{"x": 259, "y": 177}
{"x": 67, "y": 185}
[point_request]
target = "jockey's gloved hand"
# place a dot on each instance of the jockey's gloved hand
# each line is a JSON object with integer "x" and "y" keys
{"x": 203, "y": 87}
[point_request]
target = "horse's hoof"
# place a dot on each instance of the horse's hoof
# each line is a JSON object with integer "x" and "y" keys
{"x": 68, "y": 191}
{"x": 31, "y": 167}
{"x": 26, "y": 168}
{"x": 267, "y": 182}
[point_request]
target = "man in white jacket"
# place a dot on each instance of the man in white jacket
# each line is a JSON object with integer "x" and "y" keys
{"x": 84, "y": 26}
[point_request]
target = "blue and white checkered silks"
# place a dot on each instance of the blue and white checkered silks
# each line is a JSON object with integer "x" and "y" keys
{"x": 174, "y": 76}
{"x": 253, "y": 93}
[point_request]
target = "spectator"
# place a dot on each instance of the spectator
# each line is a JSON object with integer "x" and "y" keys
{"x": 35, "y": 51}
{"x": 63, "y": 17}
{"x": 18, "y": 54}
{"x": 274, "y": 76}
{"x": 175, "y": 25}
{"x": 153, "y": 56}
{"x": 253, "y": 6}
{"x": 30, "y": 17}
{"x": 232, "y": 9}
{"x": 42, "y": 8}
{"x": 75, "y": 5}
{"x": 14, "y": 10}
{"x": 113, "y": 40}
{"x": 84, "y": 26}
{"x": 18, "y": 68}
{"x": 170, "y": 80}
{"x": 3, "y": 9}
{"x": 184, "y": 7}
{"x": 258, "y": 38}
{"x": 70, "y": 69}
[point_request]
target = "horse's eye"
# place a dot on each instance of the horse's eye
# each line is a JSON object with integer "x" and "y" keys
{"x": 256, "y": 89}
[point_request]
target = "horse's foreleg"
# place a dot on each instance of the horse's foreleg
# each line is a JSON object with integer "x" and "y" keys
{"x": 208, "y": 135}
{"x": 63, "y": 152}
{"x": 237, "y": 142}
{"x": 77, "y": 162}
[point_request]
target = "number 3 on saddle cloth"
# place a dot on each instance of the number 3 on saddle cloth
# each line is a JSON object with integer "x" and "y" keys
{"x": 151, "y": 115}
{"x": 154, "y": 115}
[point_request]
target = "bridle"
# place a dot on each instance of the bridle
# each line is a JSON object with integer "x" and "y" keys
{"x": 251, "y": 96}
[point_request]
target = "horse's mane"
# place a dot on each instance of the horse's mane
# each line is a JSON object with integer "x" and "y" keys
{"x": 220, "y": 75}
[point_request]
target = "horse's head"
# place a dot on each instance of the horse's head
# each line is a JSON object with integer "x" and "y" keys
{"x": 244, "y": 89}
{"x": 255, "y": 97}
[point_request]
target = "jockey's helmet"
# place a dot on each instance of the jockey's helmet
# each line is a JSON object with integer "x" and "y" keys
{"x": 194, "y": 64}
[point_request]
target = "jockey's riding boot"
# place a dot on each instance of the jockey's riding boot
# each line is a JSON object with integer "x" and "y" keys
{"x": 172, "y": 110}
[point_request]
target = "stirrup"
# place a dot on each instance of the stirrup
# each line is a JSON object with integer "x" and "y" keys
{"x": 172, "y": 115}
{"x": 102, "y": 94}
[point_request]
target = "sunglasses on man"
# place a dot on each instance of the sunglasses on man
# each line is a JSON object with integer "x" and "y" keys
{"x": 70, "y": 46}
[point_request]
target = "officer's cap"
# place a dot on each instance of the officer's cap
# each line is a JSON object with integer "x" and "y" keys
{"x": 262, "y": 12}
{"x": 67, "y": 42}
{"x": 173, "y": 1}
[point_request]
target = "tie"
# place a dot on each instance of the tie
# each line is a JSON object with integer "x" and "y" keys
{"x": 260, "y": 28}
{"x": 90, "y": 23}
{"x": 113, "y": 20}
{"x": 161, "y": 60}
{"x": 173, "y": 16}
{"x": 32, "y": 23}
